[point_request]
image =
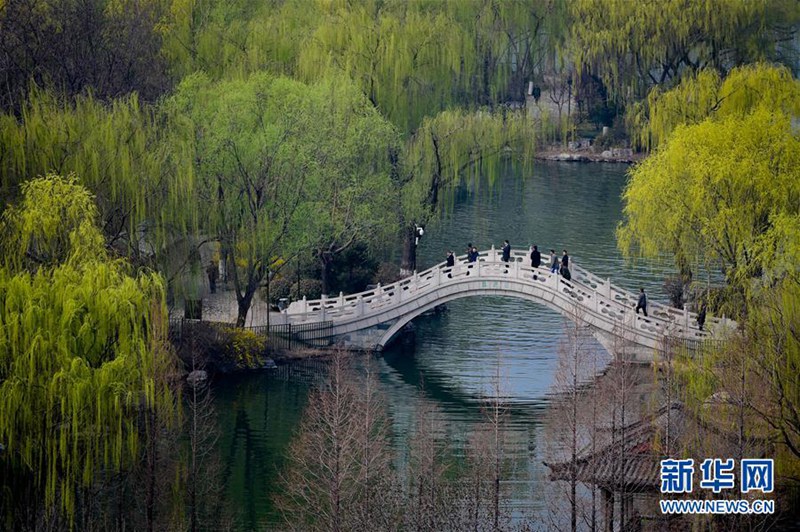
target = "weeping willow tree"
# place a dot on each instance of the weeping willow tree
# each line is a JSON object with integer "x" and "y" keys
{"x": 234, "y": 38}
{"x": 82, "y": 343}
{"x": 413, "y": 59}
{"x": 712, "y": 193}
{"x": 449, "y": 149}
{"x": 634, "y": 46}
{"x": 286, "y": 168}
{"x": 709, "y": 94}
{"x": 122, "y": 152}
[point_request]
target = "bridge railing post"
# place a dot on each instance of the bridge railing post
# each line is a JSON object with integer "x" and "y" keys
{"x": 322, "y": 308}
{"x": 341, "y": 299}
{"x": 360, "y": 306}
{"x": 437, "y": 277}
{"x": 493, "y": 255}
{"x": 305, "y": 305}
{"x": 686, "y": 316}
{"x": 516, "y": 268}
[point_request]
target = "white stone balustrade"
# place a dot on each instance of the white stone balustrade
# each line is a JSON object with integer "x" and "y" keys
{"x": 586, "y": 297}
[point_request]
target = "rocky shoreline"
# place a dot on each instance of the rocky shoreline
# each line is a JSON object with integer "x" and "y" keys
{"x": 614, "y": 155}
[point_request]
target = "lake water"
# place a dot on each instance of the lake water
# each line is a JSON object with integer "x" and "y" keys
{"x": 452, "y": 355}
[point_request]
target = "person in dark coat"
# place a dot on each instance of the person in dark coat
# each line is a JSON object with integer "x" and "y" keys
{"x": 213, "y": 274}
{"x": 553, "y": 261}
{"x": 536, "y": 257}
{"x": 451, "y": 259}
{"x": 701, "y": 317}
{"x": 642, "y": 303}
{"x": 475, "y": 254}
{"x": 470, "y": 257}
{"x": 506, "y": 251}
{"x": 565, "y": 273}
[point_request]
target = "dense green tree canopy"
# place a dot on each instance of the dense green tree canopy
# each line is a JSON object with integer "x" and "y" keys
{"x": 123, "y": 152}
{"x": 714, "y": 192}
{"x": 81, "y": 342}
{"x": 285, "y": 167}
{"x": 411, "y": 59}
{"x": 709, "y": 94}
{"x": 636, "y": 45}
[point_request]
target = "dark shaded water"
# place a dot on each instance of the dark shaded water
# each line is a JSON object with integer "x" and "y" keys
{"x": 560, "y": 205}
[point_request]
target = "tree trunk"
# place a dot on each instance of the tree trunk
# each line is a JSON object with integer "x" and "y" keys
{"x": 245, "y": 300}
{"x": 326, "y": 275}
{"x": 409, "y": 261}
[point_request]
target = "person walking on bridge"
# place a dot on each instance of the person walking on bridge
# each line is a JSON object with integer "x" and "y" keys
{"x": 536, "y": 257}
{"x": 553, "y": 261}
{"x": 642, "y": 303}
{"x": 506, "y": 251}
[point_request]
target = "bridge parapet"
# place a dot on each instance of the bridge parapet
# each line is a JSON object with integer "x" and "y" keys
{"x": 600, "y": 303}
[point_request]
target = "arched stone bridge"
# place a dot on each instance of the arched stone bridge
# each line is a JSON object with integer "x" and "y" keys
{"x": 369, "y": 320}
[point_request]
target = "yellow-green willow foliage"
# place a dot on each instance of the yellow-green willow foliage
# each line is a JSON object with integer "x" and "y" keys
{"x": 707, "y": 94}
{"x": 234, "y": 38}
{"x": 455, "y": 145}
{"x": 125, "y": 154}
{"x": 285, "y": 167}
{"x": 82, "y": 348}
{"x": 413, "y": 59}
{"x": 635, "y": 45}
{"x": 714, "y": 193}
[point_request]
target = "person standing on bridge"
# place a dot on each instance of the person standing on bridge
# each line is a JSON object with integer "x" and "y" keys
{"x": 506, "y": 251}
{"x": 470, "y": 256}
{"x": 553, "y": 261}
{"x": 536, "y": 257}
{"x": 474, "y": 254}
{"x": 451, "y": 259}
{"x": 642, "y": 304}
{"x": 565, "y": 266}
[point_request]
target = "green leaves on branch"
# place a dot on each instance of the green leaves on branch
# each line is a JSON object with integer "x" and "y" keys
{"x": 82, "y": 343}
{"x": 708, "y": 94}
{"x": 714, "y": 192}
{"x": 636, "y": 45}
{"x": 411, "y": 59}
{"x": 454, "y": 146}
{"x": 123, "y": 153}
{"x": 285, "y": 167}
